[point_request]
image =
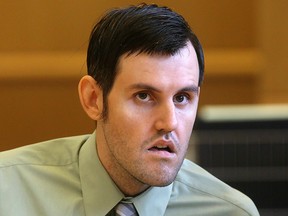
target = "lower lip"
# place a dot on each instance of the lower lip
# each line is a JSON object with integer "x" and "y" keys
{"x": 161, "y": 153}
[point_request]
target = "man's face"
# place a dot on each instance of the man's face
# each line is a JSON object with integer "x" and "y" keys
{"x": 151, "y": 111}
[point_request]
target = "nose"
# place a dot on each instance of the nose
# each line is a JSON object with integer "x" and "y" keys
{"x": 166, "y": 118}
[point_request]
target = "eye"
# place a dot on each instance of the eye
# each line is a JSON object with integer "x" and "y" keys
{"x": 142, "y": 96}
{"x": 181, "y": 99}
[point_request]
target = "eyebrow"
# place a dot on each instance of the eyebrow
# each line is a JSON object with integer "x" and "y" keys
{"x": 191, "y": 88}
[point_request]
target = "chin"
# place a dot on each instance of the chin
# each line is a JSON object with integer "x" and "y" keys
{"x": 164, "y": 184}
{"x": 161, "y": 182}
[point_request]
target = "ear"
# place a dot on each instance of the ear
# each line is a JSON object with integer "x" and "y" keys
{"x": 91, "y": 97}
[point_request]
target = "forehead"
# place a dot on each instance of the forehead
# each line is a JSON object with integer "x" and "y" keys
{"x": 181, "y": 67}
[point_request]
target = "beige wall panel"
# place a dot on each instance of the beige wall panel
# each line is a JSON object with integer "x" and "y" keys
{"x": 66, "y": 24}
{"x": 36, "y": 110}
{"x": 42, "y": 57}
{"x": 273, "y": 43}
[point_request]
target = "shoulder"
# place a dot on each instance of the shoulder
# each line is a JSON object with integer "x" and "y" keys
{"x": 39, "y": 173}
{"x": 194, "y": 184}
{"x": 62, "y": 150}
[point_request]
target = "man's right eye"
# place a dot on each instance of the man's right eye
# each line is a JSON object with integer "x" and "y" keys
{"x": 142, "y": 96}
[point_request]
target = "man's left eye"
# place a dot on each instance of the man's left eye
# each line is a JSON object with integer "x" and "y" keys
{"x": 181, "y": 99}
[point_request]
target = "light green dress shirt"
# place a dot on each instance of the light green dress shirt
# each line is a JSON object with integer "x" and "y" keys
{"x": 65, "y": 177}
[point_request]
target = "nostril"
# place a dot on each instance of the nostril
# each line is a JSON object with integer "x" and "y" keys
{"x": 167, "y": 136}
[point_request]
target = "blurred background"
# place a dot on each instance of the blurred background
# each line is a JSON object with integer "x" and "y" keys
{"x": 42, "y": 57}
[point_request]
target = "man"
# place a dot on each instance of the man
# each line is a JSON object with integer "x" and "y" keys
{"x": 145, "y": 68}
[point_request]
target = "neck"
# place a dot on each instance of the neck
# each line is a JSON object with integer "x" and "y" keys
{"x": 127, "y": 184}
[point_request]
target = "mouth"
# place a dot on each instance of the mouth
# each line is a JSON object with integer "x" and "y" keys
{"x": 161, "y": 148}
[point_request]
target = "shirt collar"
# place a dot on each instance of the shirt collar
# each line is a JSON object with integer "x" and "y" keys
{"x": 154, "y": 201}
{"x": 100, "y": 194}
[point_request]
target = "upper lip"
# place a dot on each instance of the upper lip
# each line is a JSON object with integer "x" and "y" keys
{"x": 163, "y": 144}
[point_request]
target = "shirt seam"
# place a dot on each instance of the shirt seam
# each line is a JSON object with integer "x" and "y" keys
{"x": 177, "y": 180}
{"x": 35, "y": 164}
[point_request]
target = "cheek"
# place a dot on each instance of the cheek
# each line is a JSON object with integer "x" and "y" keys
{"x": 129, "y": 121}
{"x": 124, "y": 116}
{"x": 185, "y": 124}
{"x": 187, "y": 116}
{"x": 127, "y": 112}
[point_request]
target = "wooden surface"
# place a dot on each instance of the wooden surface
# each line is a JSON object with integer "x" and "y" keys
{"x": 42, "y": 58}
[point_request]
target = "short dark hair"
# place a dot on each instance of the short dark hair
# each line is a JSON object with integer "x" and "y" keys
{"x": 149, "y": 29}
